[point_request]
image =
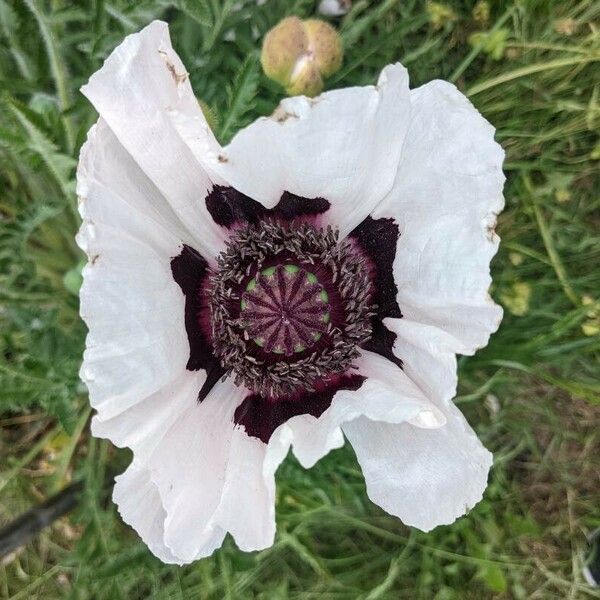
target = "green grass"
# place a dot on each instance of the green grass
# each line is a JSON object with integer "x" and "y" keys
{"x": 533, "y": 394}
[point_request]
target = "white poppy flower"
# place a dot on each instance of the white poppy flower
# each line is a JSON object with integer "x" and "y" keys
{"x": 314, "y": 279}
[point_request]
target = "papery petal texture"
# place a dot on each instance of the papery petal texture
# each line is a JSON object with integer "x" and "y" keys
{"x": 213, "y": 478}
{"x": 139, "y": 505}
{"x": 427, "y": 477}
{"x": 386, "y": 395}
{"x": 134, "y": 310}
{"x": 412, "y": 180}
{"x": 344, "y": 146}
{"x": 445, "y": 199}
{"x": 141, "y": 82}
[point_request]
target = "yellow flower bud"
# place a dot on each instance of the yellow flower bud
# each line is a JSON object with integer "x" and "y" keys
{"x": 515, "y": 258}
{"x": 594, "y": 307}
{"x": 491, "y": 42}
{"x": 516, "y": 299}
{"x": 591, "y": 327}
{"x": 563, "y": 196}
{"x": 481, "y": 13}
{"x": 299, "y": 54}
{"x": 440, "y": 15}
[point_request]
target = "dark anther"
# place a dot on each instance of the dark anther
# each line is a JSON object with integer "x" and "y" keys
{"x": 290, "y": 306}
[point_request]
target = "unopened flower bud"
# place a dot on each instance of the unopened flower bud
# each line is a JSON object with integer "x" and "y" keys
{"x": 306, "y": 79}
{"x": 282, "y": 47}
{"x": 325, "y": 44}
{"x": 299, "y": 54}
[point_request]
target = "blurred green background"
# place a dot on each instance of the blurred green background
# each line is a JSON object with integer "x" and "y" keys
{"x": 532, "y": 68}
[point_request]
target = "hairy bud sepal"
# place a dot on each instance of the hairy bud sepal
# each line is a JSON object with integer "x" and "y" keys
{"x": 300, "y": 54}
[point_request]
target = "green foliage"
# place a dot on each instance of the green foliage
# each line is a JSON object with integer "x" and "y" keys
{"x": 531, "y": 68}
{"x": 240, "y": 97}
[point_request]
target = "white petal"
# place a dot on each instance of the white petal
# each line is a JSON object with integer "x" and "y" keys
{"x": 447, "y": 193}
{"x": 343, "y": 146}
{"x": 143, "y": 425}
{"x": 247, "y": 506}
{"x": 427, "y": 477}
{"x": 212, "y": 478}
{"x": 386, "y": 395}
{"x": 428, "y": 357}
{"x": 134, "y": 92}
{"x": 139, "y": 505}
{"x": 114, "y": 191}
{"x": 134, "y": 310}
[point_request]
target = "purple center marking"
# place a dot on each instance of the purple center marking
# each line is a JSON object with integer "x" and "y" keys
{"x": 289, "y": 334}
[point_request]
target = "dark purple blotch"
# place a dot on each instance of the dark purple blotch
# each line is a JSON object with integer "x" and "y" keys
{"x": 228, "y": 207}
{"x": 382, "y": 342}
{"x": 378, "y": 239}
{"x": 260, "y": 416}
{"x": 190, "y": 270}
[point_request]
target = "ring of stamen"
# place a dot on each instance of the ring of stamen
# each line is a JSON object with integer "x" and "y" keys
{"x": 290, "y": 305}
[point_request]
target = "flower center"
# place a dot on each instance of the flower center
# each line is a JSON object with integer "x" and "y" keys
{"x": 290, "y": 305}
{"x": 285, "y": 309}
